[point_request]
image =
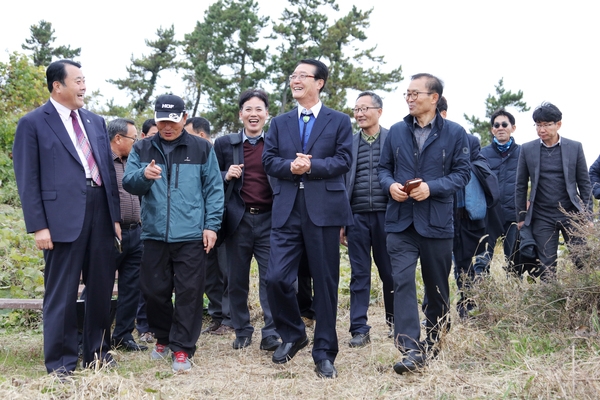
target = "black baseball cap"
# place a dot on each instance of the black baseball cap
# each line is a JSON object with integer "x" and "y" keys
{"x": 169, "y": 107}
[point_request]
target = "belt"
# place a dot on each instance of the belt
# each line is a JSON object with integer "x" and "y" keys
{"x": 129, "y": 227}
{"x": 300, "y": 185}
{"x": 90, "y": 182}
{"x": 256, "y": 210}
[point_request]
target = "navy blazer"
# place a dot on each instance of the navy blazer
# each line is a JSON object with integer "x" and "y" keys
{"x": 50, "y": 176}
{"x": 575, "y": 170}
{"x": 330, "y": 145}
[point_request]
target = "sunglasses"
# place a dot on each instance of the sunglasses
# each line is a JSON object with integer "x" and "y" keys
{"x": 504, "y": 125}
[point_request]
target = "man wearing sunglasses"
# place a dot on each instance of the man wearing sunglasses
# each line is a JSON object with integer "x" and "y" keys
{"x": 502, "y": 155}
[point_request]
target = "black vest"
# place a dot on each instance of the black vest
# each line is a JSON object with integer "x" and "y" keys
{"x": 367, "y": 195}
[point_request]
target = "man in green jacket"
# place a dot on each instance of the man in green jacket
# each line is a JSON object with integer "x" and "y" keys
{"x": 178, "y": 178}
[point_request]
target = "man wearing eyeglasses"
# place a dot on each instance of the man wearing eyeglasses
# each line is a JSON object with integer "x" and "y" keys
{"x": 503, "y": 156}
{"x": 557, "y": 170}
{"x": 368, "y": 202}
{"x": 123, "y": 134}
{"x": 308, "y": 150}
{"x": 419, "y": 223}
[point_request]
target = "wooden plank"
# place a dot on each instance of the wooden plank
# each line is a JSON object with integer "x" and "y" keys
{"x": 34, "y": 304}
{"x": 21, "y": 304}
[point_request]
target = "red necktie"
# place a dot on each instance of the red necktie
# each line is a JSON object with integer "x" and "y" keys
{"x": 87, "y": 150}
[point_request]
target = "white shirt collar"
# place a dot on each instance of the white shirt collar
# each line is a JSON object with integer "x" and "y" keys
{"x": 315, "y": 109}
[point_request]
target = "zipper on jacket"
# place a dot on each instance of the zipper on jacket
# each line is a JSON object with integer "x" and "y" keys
{"x": 371, "y": 178}
{"x": 169, "y": 168}
{"x": 443, "y": 162}
{"x": 176, "y": 176}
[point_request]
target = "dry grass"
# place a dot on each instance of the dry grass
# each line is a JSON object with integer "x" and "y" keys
{"x": 504, "y": 352}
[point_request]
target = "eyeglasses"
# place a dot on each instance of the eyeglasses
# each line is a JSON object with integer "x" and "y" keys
{"x": 301, "y": 77}
{"x": 364, "y": 109}
{"x": 545, "y": 126}
{"x": 414, "y": 95}
{"x": 503, "y": 124}
{"x": 135, "y": 139}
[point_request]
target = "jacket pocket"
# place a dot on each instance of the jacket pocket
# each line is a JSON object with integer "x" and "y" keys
{"x": 335, "y": 186}
{"x": 440, "y": 212}
{"x": 48, "y": 194}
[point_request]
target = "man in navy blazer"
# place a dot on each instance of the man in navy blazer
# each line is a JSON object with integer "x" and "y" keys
{"x": 559, "y": 178}
{"x": 70, "y": 202}
{"x": 308, "y": 150}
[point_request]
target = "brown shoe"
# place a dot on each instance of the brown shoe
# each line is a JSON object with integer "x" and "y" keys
{"x": 309, "y": 323}
{"x": 146, "y": 337}
{"x": 214, "y": 325}
{"x": 222, "y": 330}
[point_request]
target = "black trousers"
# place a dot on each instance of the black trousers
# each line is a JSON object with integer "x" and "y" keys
{"x": 322, "y": 247}
{"x": 405, "y": 249}
{"x": 91, "y": 255}
{"x": 179, "y": 267}
{"x": 368, "y": 233}
{"x": 128, "y": 265}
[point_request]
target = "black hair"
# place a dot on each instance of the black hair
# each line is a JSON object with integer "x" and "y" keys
{"x": 442, "y": 104}
{"x": 434, "y": 84}
{"x": 500, "y": 112}
{"x": 149, "y": 123}
{"x": 250, "y": 93}
{"x": 547, "y": 112}
{"x": 321, "y": 73}
{"x": 199, "y": 124}
{"x": 56, "y": 71}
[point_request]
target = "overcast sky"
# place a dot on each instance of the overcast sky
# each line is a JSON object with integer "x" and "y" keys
{"x": 548, "y": 49}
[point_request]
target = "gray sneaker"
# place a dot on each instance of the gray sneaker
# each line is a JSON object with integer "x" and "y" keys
{"x": 181, "y": 362}
{"x": 160, "y": 352}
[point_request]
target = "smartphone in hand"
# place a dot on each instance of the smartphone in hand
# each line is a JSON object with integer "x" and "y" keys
{"x": 411, "y": 184}
{"x": 118, "y": 245}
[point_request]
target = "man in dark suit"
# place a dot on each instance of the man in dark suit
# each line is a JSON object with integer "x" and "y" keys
{"x": 559, "y": 179}
{"x": 368, "y": 202}
{"x": 308, "y": 150}
{"x": 68, "y": 188}
{"x": 248, "y": 220}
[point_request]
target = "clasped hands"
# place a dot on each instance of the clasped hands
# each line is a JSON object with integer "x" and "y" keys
{"x": 301, "y": 164}
{"x": 419, "y": 193}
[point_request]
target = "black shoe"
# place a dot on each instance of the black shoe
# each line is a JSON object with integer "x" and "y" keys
{"x": 270, "y": 343}
{"x": 286, "y": 351}
{"x": 129, "y": 345}
{"x": 412, "y": 361}
{"x": 360, "y": 339}
{"x": 214, "y": 325}
{"x": 325, "y": 369}
{"x": 241, "y": 341}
